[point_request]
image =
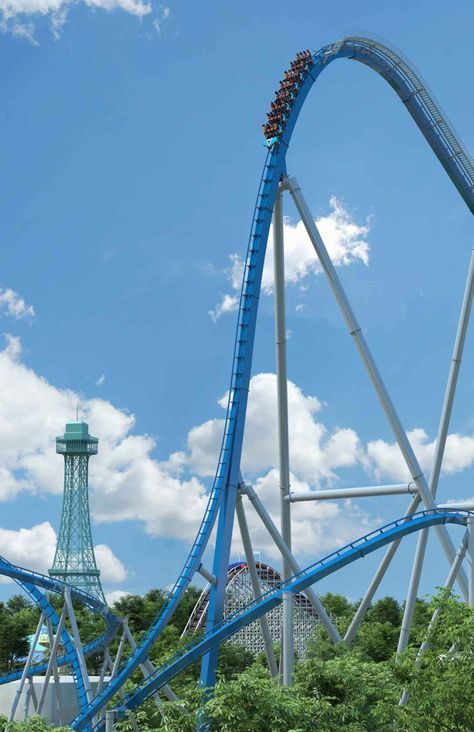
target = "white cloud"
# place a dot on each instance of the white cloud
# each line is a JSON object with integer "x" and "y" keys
{"x": 167, "y": 496}
{"x": 228, "y": 304}
{"x": 34, "y": 549}
{"x": 346, "y": 242}
{"x": 19, "y": 17}
{"x": 115, "y": 596}
{"x": 317, "y": 526}
{"x": 100, "y": 380}
{"x": 126, "y": 482}
{"x": 385, "y": 459}
{"x": 111, "y": 568}
{"x": 315, "y": 453}
{"x": 13, "y": 304}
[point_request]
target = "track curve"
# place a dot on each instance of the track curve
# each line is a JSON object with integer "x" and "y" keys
{"x": 328, "y": 565}
{"x": 30, "y": 582}
{"x": 460, "y": 168}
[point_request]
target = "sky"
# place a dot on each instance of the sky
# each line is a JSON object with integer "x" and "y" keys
{"x": 131, "y": 153}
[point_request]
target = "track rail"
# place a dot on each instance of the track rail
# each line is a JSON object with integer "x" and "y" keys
{"x": 30, "y": 582}
{"x": 328, "y": 565}
{"x": 458, "y": 165}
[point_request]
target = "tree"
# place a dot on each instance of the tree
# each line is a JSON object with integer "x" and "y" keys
{"x": 441, "y": 690}
{"x": 14, "y": 631}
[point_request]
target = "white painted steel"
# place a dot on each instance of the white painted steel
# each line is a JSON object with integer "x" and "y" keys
{"x": 372, "y": 370}
{"x": 287, "y": 644}
{"x": 256, "y": 586}
{"x": 439, "y": 451}
{"x": 347, "y": 493}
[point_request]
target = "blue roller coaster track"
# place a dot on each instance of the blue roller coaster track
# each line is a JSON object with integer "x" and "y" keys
{"x": 265, "y": 603}
{"x": 221, "y": 505}
{"x": 30, "y": 582}
{"x": 460, "y": 168}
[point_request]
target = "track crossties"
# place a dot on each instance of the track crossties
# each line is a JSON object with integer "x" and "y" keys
{"x": 280, "y": 110}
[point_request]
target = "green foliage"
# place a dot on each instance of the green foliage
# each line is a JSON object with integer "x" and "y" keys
{"x": 253, "y": 702}
{"x": 16, "y": 620}
{"x": 32, "y": 724}
{"x": 441, "y": 689}
{"x": 337, "y": 687}
{"x": 142, "y": 610}
{"x": 350, "y": 691}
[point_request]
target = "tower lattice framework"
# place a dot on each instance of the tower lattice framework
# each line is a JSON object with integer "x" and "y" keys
{"x": 74, "y": 560}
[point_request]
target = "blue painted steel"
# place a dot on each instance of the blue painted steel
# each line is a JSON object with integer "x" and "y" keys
{"x": 460, "y": 169}
{"x": 30, "y": 582}
{"x": 328, "y": 565}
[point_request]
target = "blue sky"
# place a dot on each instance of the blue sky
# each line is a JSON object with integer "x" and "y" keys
{"x": 131, "y": 155}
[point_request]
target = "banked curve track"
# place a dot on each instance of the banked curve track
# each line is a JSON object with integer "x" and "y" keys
{"x": 265, "y": 603}
{"x": 30, "y": 582}
{"x": 460, "y": 168}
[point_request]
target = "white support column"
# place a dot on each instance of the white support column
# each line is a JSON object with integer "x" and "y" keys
{"x": 348, "y": 493}
{"x": 148, "y": 669}
{"x": 26, "y": 669}
{"x": 256, "y": 586}
{"x": 373, "y": 372}
{"x": 110, "y": 719}
{"x": 78, "y": 644}
{"x": 52, "y": 659}
{"x": 287, "y": 655}
{"x": 264, "y": 516}
{"x": 377, "y": 579}
{"x": 439, "y": 452}
{"x": 470, "y": 557}
{"x": 57, "y": 688}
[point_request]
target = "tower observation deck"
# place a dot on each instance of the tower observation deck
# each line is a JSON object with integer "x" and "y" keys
{"x": 74, "y": 561}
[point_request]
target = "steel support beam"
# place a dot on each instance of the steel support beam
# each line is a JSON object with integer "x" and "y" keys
{"x": 77, "y": 643}
{"x": 287, "y": 652}
{"x": 372, "y": 370}
{"x": 348, "y": 493}
{"x": 26, "y": 669}
{"x": 207, "y": 575}
{"x": 57, "y": 688}
{"x": 52, "y": 659}
{"x": 470, "y": 558}
{"x": 264, "y": 516}
{"x": 256, "y": 586}
{"x": 439, "y": 451}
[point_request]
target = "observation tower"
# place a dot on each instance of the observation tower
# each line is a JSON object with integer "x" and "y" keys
{"x": 74, "y": 561}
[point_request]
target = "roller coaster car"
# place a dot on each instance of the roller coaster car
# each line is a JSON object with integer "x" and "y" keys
{"x": 270, "y": 142}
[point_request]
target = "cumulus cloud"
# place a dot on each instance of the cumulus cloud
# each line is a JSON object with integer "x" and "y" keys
{"x": 315, "y": 453}
{"x": 386, "y": 461}
{"x": 115, "y": 596}
{"x": 317, "y": 526}
{"x": 34, "y": 549}
{"x": 168, "y": 497}
{"x": 346, "y": 242}
{"x": 13, "y": 304}
{"x": 126, "y": 482}
{"x": 19, "y": 17}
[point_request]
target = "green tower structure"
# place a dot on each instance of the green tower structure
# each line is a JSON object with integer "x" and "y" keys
{"x": 74, "y": 561}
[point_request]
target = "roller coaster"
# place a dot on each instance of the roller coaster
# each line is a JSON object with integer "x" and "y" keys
{"x": 230, "y": 491}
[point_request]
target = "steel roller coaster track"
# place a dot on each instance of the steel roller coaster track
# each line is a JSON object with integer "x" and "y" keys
{"x": 460, "y": 168}
{"x": 222, "y": 499}
{"x": 31, "y": 582}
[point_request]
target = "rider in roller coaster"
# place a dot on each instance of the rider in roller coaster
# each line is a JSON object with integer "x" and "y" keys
{"x": 284, "y": 97}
